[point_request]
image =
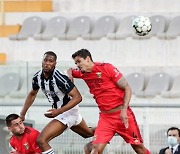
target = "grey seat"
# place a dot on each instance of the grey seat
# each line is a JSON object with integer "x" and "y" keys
{"x": 56, "y": 27}
{"x": 174, "y": 92}
{"x": 9, "y": 82}
{"x": 173, "y": 29}
{"x": 79, "y": 27}
{"x": 103, "y": 26}
{"x": 157, "y": 83}
{"x": 124, "y": 30}
{"x": 136, "y": 82}
{"x": 30, "y": 27}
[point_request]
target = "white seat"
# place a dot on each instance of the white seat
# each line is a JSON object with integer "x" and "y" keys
{"x": 173, "y": 29}
{"x": 79, "y": 27}
{"x": 124, "y": 30}
{"x": 30, "y": 27}
{"x": 56, "y": 27}
{"x": 157, "y": 83}
{"x": 136, "y": 82}
{"x": 103, "y": 26}
{"x": 174, "y": 92}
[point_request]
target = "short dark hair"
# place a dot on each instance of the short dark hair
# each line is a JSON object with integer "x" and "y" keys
{"x": 10, "y": 118}
{"x": 51, "y": 53}
{"x": 83, "y": 53}
{"x": 174, "y": 128}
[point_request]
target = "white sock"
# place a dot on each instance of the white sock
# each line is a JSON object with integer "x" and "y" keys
{"x": 50, "y": 151}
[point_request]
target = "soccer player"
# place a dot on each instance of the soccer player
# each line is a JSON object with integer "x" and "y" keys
{"x": 64, "y": 97}
{"x": 112, "y": 94}
{"x": 23, "y": 138}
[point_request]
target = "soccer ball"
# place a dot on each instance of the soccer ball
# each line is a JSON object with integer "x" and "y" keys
{"x": 142, "y": 25}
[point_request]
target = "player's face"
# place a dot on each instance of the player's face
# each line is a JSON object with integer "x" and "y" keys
{"x": 17, "y": 127}
{"x": 82, "y": 64}
{"x": 48, "y": 63}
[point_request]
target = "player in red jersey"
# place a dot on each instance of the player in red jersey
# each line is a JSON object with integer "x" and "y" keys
{"x": 112, "y": 94}
{"x": 23, "y": 140}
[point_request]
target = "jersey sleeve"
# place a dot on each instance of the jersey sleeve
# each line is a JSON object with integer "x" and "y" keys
{"x": 76, "y": 73}
{"x": 113, "y": 72}
{"x": 33, "y": 136}
{"x": 64, "y": 83}
{"x": 35, "y": 85}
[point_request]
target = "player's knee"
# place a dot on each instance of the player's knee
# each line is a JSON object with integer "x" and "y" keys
{"x": 40, "y": 141}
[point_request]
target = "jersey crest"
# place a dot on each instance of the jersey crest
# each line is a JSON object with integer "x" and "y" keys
{"x": 98, "y": 74}
{"x": 26, "y": 146}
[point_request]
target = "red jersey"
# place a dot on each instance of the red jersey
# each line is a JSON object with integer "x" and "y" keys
{"x": 27, "y": 143}
{"x": 102, "y": 84}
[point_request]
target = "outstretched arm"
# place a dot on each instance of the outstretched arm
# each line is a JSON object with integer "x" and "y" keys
{"x": 28, "y": 102}
{"x": 122, "y": 84}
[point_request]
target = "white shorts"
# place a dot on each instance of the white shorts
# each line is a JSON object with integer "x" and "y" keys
{"x": 70, "y": 117}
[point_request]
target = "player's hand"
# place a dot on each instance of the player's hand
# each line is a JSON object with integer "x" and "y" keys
{"x": 124, "y": 117}
{"x": 22, "y": 117}
{"x": 51, "y": 113}
{"x": 69, "y": 74}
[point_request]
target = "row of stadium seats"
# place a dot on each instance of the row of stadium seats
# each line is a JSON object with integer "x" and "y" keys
{"x": 157, "y": 84}
{"x": 85, "y": 27}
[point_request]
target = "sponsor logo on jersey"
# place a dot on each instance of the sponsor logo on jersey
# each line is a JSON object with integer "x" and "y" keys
{"x": 26, "y": 146}
{"x": 98, "y": 74}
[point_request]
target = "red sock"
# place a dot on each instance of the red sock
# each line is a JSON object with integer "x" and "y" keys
{"x": 147, "y": 151}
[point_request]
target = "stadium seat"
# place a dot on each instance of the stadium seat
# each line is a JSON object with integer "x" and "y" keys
{"x": 125, "y": 29}
{"x": 136, "y": 82}
{"x": 9, "y": 82}
{"x": 30, "y": 27}
{"x": 79, "y": 27}
{"x": 103, "y": 26}
{"x": 174, "y": 92}
{"x": 173, "y": 30}
{"x": 157, "y": 83}
{"x": 56, "y": 27}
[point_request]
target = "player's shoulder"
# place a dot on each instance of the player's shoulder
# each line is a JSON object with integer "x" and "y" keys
{"x": 30, "y": 130}
{"x": 102, "y": 64}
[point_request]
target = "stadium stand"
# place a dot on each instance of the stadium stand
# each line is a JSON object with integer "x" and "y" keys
{"x": 174, "y": 91}
{"x": 173, "y": 29}
{"x": 157, "y": 83}
{"x": 136, "y": 82}
{"x": 103, "y": 26}
{"x": 9, "y": 82}
{"x": 79, "y": 27}
{"x": 55, "y": 27}
{"x": 124, "y": 30}
{"x": 30, "y": 27}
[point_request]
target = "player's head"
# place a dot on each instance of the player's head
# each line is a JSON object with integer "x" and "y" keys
{"x": 15, "y": 124}
{"x": 49, "y": 61}
{"x": 83, "y": 60}
{"x": 173, "y": 134}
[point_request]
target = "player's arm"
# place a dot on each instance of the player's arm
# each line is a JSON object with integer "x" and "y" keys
{"x": 122, "y": 84}
{"x": 28, "y": 102}
{"x": 76, "y": 98}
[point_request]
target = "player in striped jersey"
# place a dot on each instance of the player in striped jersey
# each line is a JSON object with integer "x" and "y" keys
{"x": 64, "y": 98}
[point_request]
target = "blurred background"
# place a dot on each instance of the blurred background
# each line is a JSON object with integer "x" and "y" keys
{"x": 151, "y": 65}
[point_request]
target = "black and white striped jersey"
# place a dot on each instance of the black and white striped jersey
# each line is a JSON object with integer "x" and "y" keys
{"x": 56, "y": 87}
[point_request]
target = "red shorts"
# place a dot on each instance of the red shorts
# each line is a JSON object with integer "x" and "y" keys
{"x": 110, "y": 123}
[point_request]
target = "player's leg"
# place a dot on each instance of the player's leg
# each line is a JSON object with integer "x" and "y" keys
{"x": 51, "y": 130}
{"x": 88, "y": 147}
{"x": 140, "y": 149}
{"x": 83, "y": 130}
{"x": 132, "y": 134}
